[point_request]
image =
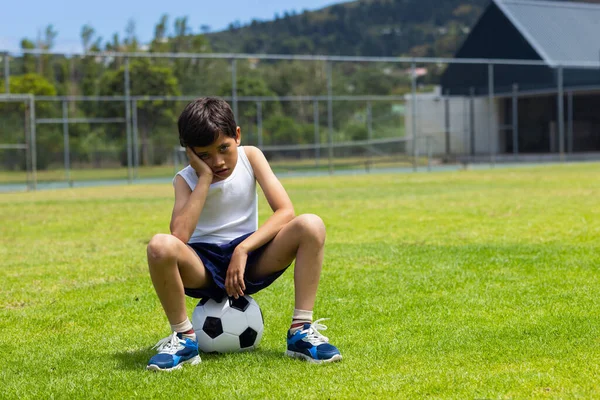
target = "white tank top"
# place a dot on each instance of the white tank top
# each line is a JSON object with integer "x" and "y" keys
{"x": 231, "y": 207}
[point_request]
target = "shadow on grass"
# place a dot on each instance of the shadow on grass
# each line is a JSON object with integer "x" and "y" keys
{"x": 138, "y": 359}
{"x": 134, "y": 359}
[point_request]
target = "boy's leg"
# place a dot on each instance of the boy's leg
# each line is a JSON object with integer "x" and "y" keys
{"x": 173, "y": 266}
{"x": 302, "y": 239}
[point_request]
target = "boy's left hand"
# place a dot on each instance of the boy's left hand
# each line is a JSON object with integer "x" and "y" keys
{"x": 234, "y": 282}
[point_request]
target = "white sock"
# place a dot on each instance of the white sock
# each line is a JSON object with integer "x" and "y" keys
{"x": 185, "y": 328}
{"x": 300, "y": 318}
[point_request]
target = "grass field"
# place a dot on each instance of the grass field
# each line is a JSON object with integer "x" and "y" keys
{"x": 471, "y": 284}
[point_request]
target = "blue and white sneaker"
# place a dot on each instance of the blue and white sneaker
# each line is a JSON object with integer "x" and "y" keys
{"x": 308, "y": 343}
{"x": 173, "y": 352}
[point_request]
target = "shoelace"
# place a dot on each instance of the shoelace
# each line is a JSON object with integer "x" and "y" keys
{"x": 313, "y": 336}
{"x": 168, "y": 345}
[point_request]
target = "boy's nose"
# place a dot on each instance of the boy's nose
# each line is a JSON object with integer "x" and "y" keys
{"x": 218, "y": 162}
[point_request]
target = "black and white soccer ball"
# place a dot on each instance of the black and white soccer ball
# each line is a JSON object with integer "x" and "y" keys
{"x": 228, "y": 325}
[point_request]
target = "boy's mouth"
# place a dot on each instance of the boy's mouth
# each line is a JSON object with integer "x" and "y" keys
{"x": 221, "y": 171}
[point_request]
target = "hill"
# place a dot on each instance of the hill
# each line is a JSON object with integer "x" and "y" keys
{"x": 363, "y": 27}
{"x": 422, "y": 28}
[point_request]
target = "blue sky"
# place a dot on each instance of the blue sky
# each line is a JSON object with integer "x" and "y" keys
{"x": 26, "y": 19}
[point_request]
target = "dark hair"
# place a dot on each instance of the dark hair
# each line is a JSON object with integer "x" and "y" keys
{"x": 203, "y": 119}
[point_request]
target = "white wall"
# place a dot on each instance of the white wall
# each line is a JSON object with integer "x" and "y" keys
{"x": 431, "y": 119}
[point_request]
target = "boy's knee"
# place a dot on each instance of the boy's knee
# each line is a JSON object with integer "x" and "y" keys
{"x": 311, "y": 225}
{"x": 162, "y": 247}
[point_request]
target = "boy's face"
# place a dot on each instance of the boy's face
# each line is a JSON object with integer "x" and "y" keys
{"x": 221, "y": 156}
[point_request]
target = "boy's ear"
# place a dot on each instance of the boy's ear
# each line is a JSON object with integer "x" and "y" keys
{"x": 238, "y": 135}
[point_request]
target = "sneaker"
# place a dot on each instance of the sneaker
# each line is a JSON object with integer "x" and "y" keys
{"x": 308, "y": 343}
{"x": 173, "y": 352}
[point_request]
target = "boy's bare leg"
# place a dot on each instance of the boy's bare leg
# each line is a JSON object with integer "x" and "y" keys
{"x": 303, "y": 239}
{"x": 173, "y": 266}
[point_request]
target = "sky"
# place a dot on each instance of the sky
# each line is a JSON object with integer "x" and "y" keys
{"x": 110, "y": 16}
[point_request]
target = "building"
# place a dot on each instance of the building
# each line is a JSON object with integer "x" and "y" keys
{"x": 547, "y": 105}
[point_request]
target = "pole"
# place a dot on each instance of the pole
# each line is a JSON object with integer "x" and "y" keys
{"x": 492, "y": 136}
{"x": 447, "y": 121}
{"x": 234, "y": 98}
{"x": 6, "y": 73}
{"x": 472, "y": 120}
{"x": 561, "y": 114}
{"x": 136, "y": 149}
{"x": 515, "y": 119}
{"x": 429, "y": 152}
{"x": 413, "y": 88}
{"x": 33, "y": 141}
{"x": 317, "y": 133}
{"x": 128, "y": 122}
{"x": 66, "y": 150}
{"x": 570, "y": 118}
{"x": 330, "y": 115}
{"x": 259, "y": 123}
{"x": 369, "y": 133}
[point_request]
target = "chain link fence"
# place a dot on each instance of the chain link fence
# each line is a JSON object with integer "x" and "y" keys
{"x": 112, "y": 116}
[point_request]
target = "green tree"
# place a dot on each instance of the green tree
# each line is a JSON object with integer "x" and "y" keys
{"x": 250, "y": 86}
{"x": 156, "y": 118}
{"x": 17, "y": 117}
{"x": 284, "y": 130}
{"x": 28, "y": 61}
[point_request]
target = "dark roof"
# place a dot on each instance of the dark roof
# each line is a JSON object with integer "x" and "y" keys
{"x": 558, "y": 31}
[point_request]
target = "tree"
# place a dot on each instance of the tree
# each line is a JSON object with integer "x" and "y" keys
{"x": 159, "y": 43}
{"x": 156, "y": 118}
{"x": 131, "y": 42}
{"x": 29, "y": 63}
{"x": 87, "y": 34}
{"x": 18, "y": 116}
{"x": 248, "y": 85}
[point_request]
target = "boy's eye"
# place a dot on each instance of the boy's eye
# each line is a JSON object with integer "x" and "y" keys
{"x": 224, "y": 149}
{"x": 203, "y": 156}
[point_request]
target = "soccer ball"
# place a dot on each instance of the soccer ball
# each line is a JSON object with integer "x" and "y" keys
{"x": 228, "y": 325}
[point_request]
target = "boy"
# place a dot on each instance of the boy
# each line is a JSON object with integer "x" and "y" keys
{"x": 216, "y": 249}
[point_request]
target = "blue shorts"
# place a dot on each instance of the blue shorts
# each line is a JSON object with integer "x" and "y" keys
{"x": 216, "y": 257}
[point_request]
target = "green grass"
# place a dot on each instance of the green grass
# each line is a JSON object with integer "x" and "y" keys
{"x": 471, "y": 284}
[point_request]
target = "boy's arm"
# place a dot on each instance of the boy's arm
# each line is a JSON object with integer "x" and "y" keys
{"x": 277, "y": 197}
{"x": 189, "y": 204}
{"x": 187, "y": 208}
{"x": 283, "y": 212}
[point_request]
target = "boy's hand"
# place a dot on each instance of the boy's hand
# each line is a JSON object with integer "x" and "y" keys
{"x": 234, "y": 282}
{"x": 201, "y": 168}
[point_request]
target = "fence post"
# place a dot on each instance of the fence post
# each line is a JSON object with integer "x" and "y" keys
{"x": 447, "y": 122}
{"x": 66, "y": 150}
{"x": 234, "y": 99}
{"x": 472, "y": 119}
{"x": 259, "y": 123}
{"x": 32, "y": 123}
{"x": 561, "y": 114}
{"x": 369, "y": 134}
{"x": 317, "y": 133}
{"x": 330, "y": 115}
{"x": 515, "y": 119}
{"x": 136, "y": 148}
{"x": 128, "y": 121}
{"x": 413, "y": 89}
{"x": 570, "y": 118}
{"x": 492, "y": 136}
{"x": 429, "y": 152}
{"x": 6, "y": 73}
